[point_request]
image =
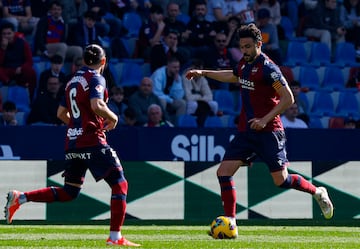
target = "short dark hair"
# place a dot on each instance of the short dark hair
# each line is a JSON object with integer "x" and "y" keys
{"x": 93, "y": 54}
{"x": 9, "y": 106}
{"x": 7, "y": 25}
{"x": 56, "y": 59}
{"x": 155, "y": 8}
{"x": 249, "y": 31}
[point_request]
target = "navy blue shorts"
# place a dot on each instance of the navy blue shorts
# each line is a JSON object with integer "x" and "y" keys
{"x": 101, "y": 162}
{"x": 268, "y": 146}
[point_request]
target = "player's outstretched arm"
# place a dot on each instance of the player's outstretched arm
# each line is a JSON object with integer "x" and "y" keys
{"x": 226, "y": 76}
{"x": 100, "y": 108}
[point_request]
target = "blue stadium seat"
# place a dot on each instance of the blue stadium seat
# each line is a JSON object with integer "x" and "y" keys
{"x": 320, "y": 54}
{"x": 131, "y": 75}
{"x": 186, "y": 120}
{"x": 213, "y": 122}
{"x": 323, "y": 105}
{"x": 345, "y": 54}
{"x": 20, "y": 96}
{"x": 132, "y": 22}
{"x": 348, "y": 105}
{"x": 315, "y": 123}
{"x": 289, "y": 29}
{"x": 309, "y": 78}
{"x": 225, "y": 100}
{"x": 183, "y": 18}
{"x": 116, "y": 69}
{"x": 333, "y": 79}
{"x": 296, "y": 54}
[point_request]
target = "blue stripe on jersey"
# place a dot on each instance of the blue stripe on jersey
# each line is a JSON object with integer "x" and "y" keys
{"x": 246, "y": 93}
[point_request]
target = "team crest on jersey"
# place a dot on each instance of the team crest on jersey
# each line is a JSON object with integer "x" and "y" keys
{"x": 99, "y": 88}
{"x": 275, "y": 76}
{"x": 254, "y": 70}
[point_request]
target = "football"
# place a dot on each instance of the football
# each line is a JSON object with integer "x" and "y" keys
{"x": 222, "y": 228}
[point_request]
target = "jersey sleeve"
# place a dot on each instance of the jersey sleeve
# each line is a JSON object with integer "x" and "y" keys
{"x": 97, "y": 87}
{"x": 274, "y": 77}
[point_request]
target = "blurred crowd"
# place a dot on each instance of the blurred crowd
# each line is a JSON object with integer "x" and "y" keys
{"x": 164, "y": 37}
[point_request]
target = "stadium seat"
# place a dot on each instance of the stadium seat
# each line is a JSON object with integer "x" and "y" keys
{"x": 315, "y": 123}
{"x": 309, "y": 78}
{"x": 131, "y": 74}
{"x": 333, "y": 79}
{"x": 183, "y": 18}
{"x": 20, "y": 96}
{"x": 289, "y": 29}
{"x": 213, "y": 121}
{"x": 345, "y": 54}
{"x": 225, "y": 100}
{"x": 186, "y": 120}
{"x": 320, "y": 54}
{"x": 116, "y": 69}
{"x": 296, "y": 54}
{"x": 132, "y": 22}
{"x": 323, "y": 104}
{"x": 348, "y": 105}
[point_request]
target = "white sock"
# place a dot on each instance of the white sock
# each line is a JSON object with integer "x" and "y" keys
{"x": 22, "y": 198}
{"x": 232, "y": 220}
{"x": 115, "y": 235}
{"x": 318, "y": 191}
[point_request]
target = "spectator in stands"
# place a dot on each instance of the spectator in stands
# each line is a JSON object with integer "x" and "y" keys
{"x": 142, "y": 99}
{"x": 290, "y": 120}
{"x": 202, "y": 30}
{"x": 76, "y": 65}
{"x": 156, "y": 118}
{"x": 130, "y": 117}
{"x": 169, "y": 88}
{"x": 73, "y": 11}
{"x": 51, "y": 35}
{"x": 16, "y": 63}
{"x": 111, "y": 24}
{"x": 150, "y": 32}
{"x": 217, "y": 56}
{"x": 232, "y": 43}
{"x": 349, "y": 123}
{"x": 270, "y": 38}
{"x": 237, "y": 7}
{"x": 8, "y": 116}
{"x": 198, "y": 96}
{"x": 116, "y": 103}
{"x": 20, "y": 15}
{"x": 350, "y": 17}
{"x": 44, "y": 108}
{"x": 85, "y": 32}
{"x": 218, "y": 13}
{"x": 302, "y": 106}
{"x": 274, "y": 8}
{"x": 168, "y": 47}
{"x": 183, "y": 4}
{"x": 172, "y": 22}
{"x": 324, "y": 23}
{"x": 55, "y": 70}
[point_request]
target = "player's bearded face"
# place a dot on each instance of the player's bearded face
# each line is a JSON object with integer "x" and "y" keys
{"x": 249, "y": 49}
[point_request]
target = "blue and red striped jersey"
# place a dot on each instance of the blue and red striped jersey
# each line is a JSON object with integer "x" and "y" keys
{"x": 85, "y": 128}
{"x": 259, "y": 81}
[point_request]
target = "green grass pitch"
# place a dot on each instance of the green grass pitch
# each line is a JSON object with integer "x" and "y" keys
{"x": 178, "y": 237}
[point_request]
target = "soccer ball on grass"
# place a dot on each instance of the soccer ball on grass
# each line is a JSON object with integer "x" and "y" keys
{"x": 222, "y": 228}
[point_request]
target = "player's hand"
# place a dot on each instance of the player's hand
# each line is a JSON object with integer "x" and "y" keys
{"x": 110, "y": 124}
{"x": 257, "y": 124}
{"x": 193, "y": 74}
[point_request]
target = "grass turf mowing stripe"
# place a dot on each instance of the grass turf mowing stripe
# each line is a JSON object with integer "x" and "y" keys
{"x": 178, "y": 237}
